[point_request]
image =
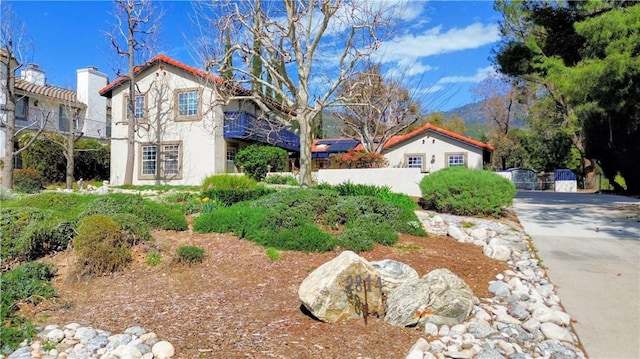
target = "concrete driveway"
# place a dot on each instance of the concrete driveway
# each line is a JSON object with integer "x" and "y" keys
{"x": 590, "y": 244}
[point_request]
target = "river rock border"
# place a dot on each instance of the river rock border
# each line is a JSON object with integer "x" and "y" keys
{"x": 76, "y": 341}
{"x": 525, "y": 318}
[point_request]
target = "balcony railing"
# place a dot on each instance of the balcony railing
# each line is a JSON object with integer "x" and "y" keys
{"x": 243, "y": 125}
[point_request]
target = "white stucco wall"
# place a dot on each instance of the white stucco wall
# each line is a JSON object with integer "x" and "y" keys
{"x": 435, "y": 148}
{"x": 400, "y": 180}
{"x": 89, "y": 82}
{"x": 203, "y": 147}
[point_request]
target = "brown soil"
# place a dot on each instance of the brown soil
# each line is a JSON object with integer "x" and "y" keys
{"x": 238, "y": 303}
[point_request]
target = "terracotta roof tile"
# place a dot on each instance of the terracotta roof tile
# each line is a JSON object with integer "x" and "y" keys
{"x": 59, "y": 93}
{"x": 106, "y": 91}
{"x": 398, "y": 139}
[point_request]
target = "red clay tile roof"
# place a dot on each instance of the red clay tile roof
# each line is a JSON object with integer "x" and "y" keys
{"x": 398, "y": 139}
{"x": 106, "y": 91}
{"x": 66, "y": 96}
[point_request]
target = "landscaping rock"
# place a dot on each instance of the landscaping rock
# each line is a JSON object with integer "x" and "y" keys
{"x": 393, "y": 273}
{"x": 335, "y": 290}
{"x": 440, "y": 297}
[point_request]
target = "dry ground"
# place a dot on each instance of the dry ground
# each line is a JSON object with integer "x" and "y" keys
{"x": 238, "y": 303}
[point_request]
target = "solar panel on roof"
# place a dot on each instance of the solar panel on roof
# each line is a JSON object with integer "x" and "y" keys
{"x": 342, "y": 146}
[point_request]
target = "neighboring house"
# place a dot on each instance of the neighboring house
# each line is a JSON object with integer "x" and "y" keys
{"x": 42, "y": 104}
{"x": 323, "y": 149}
{"x": 184, "y": 130}
{"x": 429, "y": 148}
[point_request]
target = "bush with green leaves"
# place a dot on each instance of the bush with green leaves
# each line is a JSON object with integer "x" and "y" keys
{"x": 189, "y": 254}
{"x": 155, "y": 214}
{"x": 291, "y": 220}
{"x": 100, "y": 246}
{"x": 229, "y": 196}
{"x": 228, "y": 181}
{"x": 257, "y": 160}
{"x": 29, "y": 233}
{"x": 27, "y": 181}
{"x": 30, "y": 283}
{"x": 46, "y": 155}
{"x": 230, "y": 189}
{"x": 240, "y": 219}
{"x": 466, "y": 192}
{"x": 281, "y": 179}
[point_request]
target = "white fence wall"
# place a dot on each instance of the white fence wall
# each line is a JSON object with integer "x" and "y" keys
{"x": 401, "y": 180}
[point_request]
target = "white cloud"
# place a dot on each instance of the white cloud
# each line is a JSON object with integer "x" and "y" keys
{"x": 479, "y": 76}
{"x": 435, "y": 42}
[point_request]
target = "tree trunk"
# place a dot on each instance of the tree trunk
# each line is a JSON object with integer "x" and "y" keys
{"x": 69, "y": 157}
{"x": 131, "y": 131}
{"x": 305, "y": 121}
{"x": 7, "y": 161}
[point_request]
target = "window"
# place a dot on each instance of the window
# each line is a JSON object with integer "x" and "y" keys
{"x": 231, "y": 153}
{"x": 187, "y": 102}
{"x": 171, "y": 160}
{"x": 414, "y": 161}
{"x": 139, "y": 108}
{"x": 163, "y": 164}
{"x": 149, "y": 160}
{"x": 456, "y": 159}
{"x": 22, "y": 108}
{"x": 63, "y": 119}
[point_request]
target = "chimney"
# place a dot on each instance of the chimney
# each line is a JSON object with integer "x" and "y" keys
{"x": 32, "y": 73}
{"x": 89, "y": 81}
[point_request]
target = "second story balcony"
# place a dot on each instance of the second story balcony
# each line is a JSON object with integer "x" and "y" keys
{"x": 243, "y": 125}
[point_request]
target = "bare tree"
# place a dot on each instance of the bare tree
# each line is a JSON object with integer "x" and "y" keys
{"x": 376, "y": 109}
{"x": 499, "y": 97}
{"x": 307, "y": 50}
{"x": 13, "y": 44}
{"x": 131, "y": 39}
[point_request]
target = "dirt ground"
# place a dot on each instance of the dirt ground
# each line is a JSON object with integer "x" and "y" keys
{"x": 238, "y": 303}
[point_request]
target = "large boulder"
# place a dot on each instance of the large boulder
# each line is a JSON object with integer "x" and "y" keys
{"x": 440, "y": 297}
{"x": 336, "y": 290}
{"x": 393, "y": 273}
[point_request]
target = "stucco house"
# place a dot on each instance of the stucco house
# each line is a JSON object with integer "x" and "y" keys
{"x": 428, "y": 148}
{"x": 42, "y": 104}
{"x": 184, "y": 129}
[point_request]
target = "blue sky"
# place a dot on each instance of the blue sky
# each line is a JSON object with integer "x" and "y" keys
{"x": 447, "y": 44}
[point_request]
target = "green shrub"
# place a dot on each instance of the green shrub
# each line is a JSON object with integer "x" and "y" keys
{"x": 351, "y": 189}
{"x": 306, "y": 237}
{"x": 230, "y": 196}
{"x": 28, "y": 283}
{"x": 319, "y": 201}
{"x": 92, "y": 161}
{"x": 241, "y": 220}
{"x": 15, "y": 330}
{"x": 281, "y": 179}
{"x": 362, "y": 233}
{"x": 135, "y": 227}
{"x": 27, "y": 181}
{"x": 359, "y": 159}
{"x": 189, "y": 254}
{"x": 154, "y": 258}
{"x": 29, "y": 233}
{"x": 273, "y": 254}
{"x": 100, "y": 246}
{"x": 227, "y": 181}
{"x": 258, "y": 159}
{"x": 161, "y": 216}
{"x": 66, "y": 206}
{"x": 155, "y": 214}
{"x": 466, "y": 192}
